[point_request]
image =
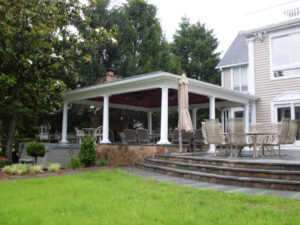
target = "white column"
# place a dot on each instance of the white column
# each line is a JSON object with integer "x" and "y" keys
{"x": 149, "y": 114}
{"x": 253, "y": 112}
{"x": 105, "y": 138}
{"x": 64, "y": 124}
{"x": 212, "y": 115}
{"x": 194, "y": 116}
{"x": 251, "y": 71}
{"x": 293, "y": 111}
{"x": 223, "y": 119}
{"x": 212, "y": 109}
{"x": 164, "y": 117}
{"x": 246, "y": 117}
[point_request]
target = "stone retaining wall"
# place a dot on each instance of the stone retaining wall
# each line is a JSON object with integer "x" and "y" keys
{"x": 128, "y": 155}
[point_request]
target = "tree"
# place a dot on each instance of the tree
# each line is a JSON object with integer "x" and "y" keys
{"x": 36, "y": 149}
{"x": 38, "y": 55}
{"x": 196, "y": 46}
{"x": 141, "y": 46}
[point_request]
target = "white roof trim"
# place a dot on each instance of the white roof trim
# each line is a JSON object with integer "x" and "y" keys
{"x": 232, "y": 65}
{"x": 153, "y": 81}
{"x": 273, "y": 27}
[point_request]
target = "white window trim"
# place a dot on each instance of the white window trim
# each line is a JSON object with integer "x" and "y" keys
{"x": 240, "y": 78}
{"x": 236, "y": 109}
{"x": 290, "y": 66}
{"x": 279, "y": 103}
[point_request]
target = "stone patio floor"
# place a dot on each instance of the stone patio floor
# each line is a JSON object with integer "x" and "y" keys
{"x": 219, "y": 187}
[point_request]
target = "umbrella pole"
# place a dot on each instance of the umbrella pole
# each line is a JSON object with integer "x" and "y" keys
{"x": 180, "y": 141}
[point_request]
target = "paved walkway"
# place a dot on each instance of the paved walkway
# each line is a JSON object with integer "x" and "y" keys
{"x": 219, "y": 187}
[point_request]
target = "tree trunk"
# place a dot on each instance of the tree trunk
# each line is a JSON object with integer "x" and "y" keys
{"x": 11, "y": 135}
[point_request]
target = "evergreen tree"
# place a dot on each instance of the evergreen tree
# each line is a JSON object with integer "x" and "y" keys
{"x": 196, "y": 46}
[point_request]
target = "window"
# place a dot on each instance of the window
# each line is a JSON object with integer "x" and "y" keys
{"x": 239, "y": 114}
{"x": 240, "y": 78}
{"x": 286, "y": 55}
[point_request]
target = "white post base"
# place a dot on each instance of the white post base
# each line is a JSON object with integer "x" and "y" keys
{"x": 163, "y": 142}
{"x": 211, "y": 149}
{"x": 63, "y": 142}
{"x": 105, "y": 141}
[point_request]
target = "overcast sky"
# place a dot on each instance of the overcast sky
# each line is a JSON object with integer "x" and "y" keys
{"x": 226, "y": 18}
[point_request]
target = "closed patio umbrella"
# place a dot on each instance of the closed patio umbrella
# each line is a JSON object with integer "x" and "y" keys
{"x": 184, "y": 118}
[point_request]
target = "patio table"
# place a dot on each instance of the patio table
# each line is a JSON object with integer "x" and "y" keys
{"x": 89, "y": 131}
{"x": 254, "y": 136}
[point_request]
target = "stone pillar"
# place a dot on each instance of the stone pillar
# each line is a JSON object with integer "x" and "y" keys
{"x": 149, "y": 114}
{"x": 164, "y": 117}
{"x": 64, "y": 132}
{"x": 105, "y": 138}
{"x": 212, "y": 115}
{"x": 194, "y": 118}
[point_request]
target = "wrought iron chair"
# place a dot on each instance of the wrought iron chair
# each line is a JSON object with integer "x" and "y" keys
{"x": 130, "y": 136}
{"x": 198, "y": 139}
{"x": 143, "y": 135}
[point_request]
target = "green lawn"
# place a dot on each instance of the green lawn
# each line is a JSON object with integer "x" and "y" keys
{"x": 113, "y": 197}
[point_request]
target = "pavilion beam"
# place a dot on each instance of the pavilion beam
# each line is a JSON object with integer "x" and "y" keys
{"x": 64, "y": 124}
{"x": 105, "y": 139}
{"x": 164, "y": 117}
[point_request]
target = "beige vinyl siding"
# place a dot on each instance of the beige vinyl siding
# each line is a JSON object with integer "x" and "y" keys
{"x": 227, "y": 78}
{"x": 265, "y": 88}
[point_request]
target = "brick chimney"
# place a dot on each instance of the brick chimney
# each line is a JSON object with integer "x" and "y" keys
{"x": 108, "y": 77}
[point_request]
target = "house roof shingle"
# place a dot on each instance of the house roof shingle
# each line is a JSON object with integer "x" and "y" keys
{"x": 236, "y": 54}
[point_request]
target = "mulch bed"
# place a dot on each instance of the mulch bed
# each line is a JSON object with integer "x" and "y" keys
{"x": 45, "y": 173}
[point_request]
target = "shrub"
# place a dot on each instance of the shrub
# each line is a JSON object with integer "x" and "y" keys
{"x": 101, "y": 162}
{"x": 19, "y": 169}
{"x": 3, "y": 162}
{"x": 36, "y": 169}
{"x": 54, "y": 167}
{"x": 119, "y": 164}
{"x": 36, "y": 149}
{"x": 87, "y": 152}
{"x": 73, "y": 163}
{"x": 6, "y": 169}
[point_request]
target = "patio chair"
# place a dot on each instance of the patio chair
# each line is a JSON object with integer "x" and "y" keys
{"x": 186, "y": 139}
{"x": 279, "y": 132}
{"x": 291, "y": 137}
{"x": 175, "y": 137}
{"x": 23, "y": 157}
{"x": 79, "y": 134}
{"x": 198, "y": 139}
{"x": 237, "y": 135}
{"x": 214, "y": 134}
{"x": 98, "y": 133}
{"x": 143, "y": 135}
{"x": 204, "y": 133}
{"x": 111, "y": 136}
{"x": 130, "y": 136}
{"x": 122, "y": 137}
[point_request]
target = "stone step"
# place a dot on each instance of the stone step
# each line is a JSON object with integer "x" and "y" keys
{"x": 224, "y": 179}
{"x": 267, "y": 164}
{"x": 231, "y": 171}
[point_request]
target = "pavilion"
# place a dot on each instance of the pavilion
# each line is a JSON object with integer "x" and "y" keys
{"x": 152, "y": 92}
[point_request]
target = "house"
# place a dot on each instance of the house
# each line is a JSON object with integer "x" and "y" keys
{"x": 265, "y": 62}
